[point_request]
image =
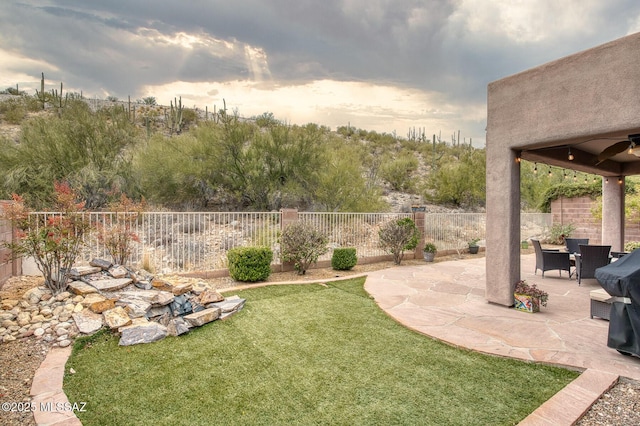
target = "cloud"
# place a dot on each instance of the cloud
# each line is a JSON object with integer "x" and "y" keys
{"x": 385, "y": 64}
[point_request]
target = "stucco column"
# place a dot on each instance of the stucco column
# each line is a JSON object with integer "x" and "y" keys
{"x": 503, "y": 223}
{"x": 613, "y": 213}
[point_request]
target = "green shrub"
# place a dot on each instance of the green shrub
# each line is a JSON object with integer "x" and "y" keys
{"x": 344, "y": 259}
{"x": 397, "y": 236}
{"x": 559, "y": 232}
{"x": 250, "y": 264}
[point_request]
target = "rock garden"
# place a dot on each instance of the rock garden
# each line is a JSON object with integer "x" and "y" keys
{"x": 140, "y": 307}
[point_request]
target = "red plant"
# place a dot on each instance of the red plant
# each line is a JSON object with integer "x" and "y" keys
{"x": 531, "y": 290}
{"x": 54, "y": 242}
{"x": 116, "y": 233}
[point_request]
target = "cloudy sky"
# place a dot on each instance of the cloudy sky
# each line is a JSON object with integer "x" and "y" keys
{"x": 384, "y": 65}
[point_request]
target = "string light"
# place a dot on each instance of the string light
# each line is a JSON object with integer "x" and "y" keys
{"x": 550, "y": 172}
{"x": 535, "y": 168}
{"x": 575, "y": 177}
{"x": 606, "y": 180}
{"x": 570, "y": 157}
{"x": 619, "y": 181}
{"x": 564, "y": 172}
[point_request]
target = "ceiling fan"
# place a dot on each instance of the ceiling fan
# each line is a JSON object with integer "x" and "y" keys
{"x": 632, "y": 143}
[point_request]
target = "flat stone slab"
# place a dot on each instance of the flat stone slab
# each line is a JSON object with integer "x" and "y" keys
{"x": 103, "y": 264}
{"x": 111, "y": 284}
{"x": 198, "y": 319}
{"x": 80, "y": 271}
{"x": 228, "y": 305}
{"x": 81, "y": 288}
{"x": 87, "y": 322}
{"x": 142, "y": 333}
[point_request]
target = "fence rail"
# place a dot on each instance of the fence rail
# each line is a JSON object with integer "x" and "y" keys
{"x": 172, "y": 242}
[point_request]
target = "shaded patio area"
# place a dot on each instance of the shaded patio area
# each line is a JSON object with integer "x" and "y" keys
{"x": 446, "y": 301}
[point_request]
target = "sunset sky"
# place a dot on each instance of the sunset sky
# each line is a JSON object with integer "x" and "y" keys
{"x": 379, "y": 65}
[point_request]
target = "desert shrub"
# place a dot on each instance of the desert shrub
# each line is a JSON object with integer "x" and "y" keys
{"x": 397, "y": 236}
{"x": 302, "y": 244}
{"x": 250, "y": 264}
{"x": 13, "y": 111}
{"x": 344, "y": 259}
{"x": 397, "y": 172}
{"x": 189, "y": 116}
{"x": 559, "y": 232}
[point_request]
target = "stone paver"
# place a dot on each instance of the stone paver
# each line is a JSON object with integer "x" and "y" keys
{"x": 446, "y": 300}
{"x": 51, "y": 403}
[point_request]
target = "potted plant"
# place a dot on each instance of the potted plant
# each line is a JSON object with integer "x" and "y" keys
{"x": 528, "y": 298}
{"x": 473, "y": 245}
{"x": 429, "y": 252}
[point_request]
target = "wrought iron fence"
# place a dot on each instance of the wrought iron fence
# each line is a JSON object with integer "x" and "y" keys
{"x": 454, "y": 231}
{"x": 359, "y": 230}
{"x": 172, "y": 242}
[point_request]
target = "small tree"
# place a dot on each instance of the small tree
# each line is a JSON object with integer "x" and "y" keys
{"x": 397, "y": 236}
{"x": 54, "y": 242}
{"x": 302, "y": 244}
{"x": 116, "y": 233}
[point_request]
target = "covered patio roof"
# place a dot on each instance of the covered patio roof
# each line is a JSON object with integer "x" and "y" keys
{"x": 586, "y": 105}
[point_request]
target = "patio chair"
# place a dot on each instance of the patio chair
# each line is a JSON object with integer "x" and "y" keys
{"x": 550, "y": 259}
{"x": 591, "y": 257}
{"x": 572, "y": 244}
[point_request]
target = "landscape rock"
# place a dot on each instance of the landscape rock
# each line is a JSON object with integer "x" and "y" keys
{"x": 118, "y": 271}
{"x": 33, "y": 295}
{"x": 177, "y": 326}
{"x": 143, "y": 285}
{"x": 161, "y": 284}
{"x": 181, "y": 305}
{"x": 92, "y": 298}
{"x": 103, "y": 264}
{"x": 198, "y": 319}
{"x": 158, "y": 311}
{"x": 99, "y": 307}
{"x": 8, "y": 304}
{"x": 81, "y": 271}
{"x": 111, "y": 284}
{"x": 209, "y": 296}
{"x": 87, "y": 322}
{"x": 81, "y": 288}
{"x": 64, "y": 343}
{"x": 142, "y": 333}
{"x": 116, "y": 318}
{"x": 180, "y": 289}
{"x": 62, "y": 296}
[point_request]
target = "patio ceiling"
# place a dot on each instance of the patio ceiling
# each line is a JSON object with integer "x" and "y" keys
{"x": 585, "y": 151}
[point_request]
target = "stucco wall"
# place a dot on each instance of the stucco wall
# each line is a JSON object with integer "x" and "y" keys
{"x": 8, "y": 266}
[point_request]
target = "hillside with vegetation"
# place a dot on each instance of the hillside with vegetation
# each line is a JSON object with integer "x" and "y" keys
{"x": 191, "y": 159}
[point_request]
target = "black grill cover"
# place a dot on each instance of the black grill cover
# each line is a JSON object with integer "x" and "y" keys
{"x": 622, "y": 279}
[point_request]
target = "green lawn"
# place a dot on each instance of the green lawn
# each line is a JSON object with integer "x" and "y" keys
{"x": 303, "y": 355}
